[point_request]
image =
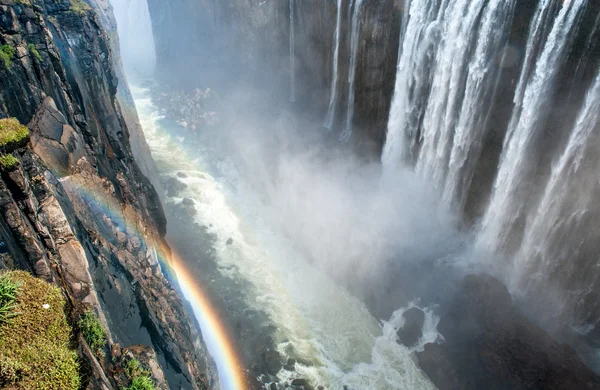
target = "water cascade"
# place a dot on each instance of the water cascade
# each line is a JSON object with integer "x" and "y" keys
{"x": 531, "y": 101}
{"x": 440, "y": 83}
{"x": 335, "y": 67}
{"x": 292, "y": 51}
{"x": 452, "y": 58}
{"x": 135, "y": 36}
{"x": 354, "y": 43}
{"x": 559, "y": 210}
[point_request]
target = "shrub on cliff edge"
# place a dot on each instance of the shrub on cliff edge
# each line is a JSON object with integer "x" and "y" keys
{"x": 8, "y": 296}
{"x": 36, "y": 342}
{"x": 140, "y": 378}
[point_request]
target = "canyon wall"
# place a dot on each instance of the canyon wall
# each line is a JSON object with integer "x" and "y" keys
{"x": 77, "y": 210}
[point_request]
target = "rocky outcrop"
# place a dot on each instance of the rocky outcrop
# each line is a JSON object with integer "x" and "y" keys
{"x": 490, "y": 344}
{"x": 77, "y": 209}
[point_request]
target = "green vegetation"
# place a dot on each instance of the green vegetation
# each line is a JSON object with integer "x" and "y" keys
{"x": 141, "y": 383}
{"x": 140, "y": 378}
{"x": 13, "y": 135}
{"x": 7, "y": 53}
{"x": 93, "y": 332}
{"x": 35, "y": 52}
{"x": 8, "y": 162}
{"x": 79, "y": 7}
{"x": 8, "y": 296}
{"x": 36, "y": 341}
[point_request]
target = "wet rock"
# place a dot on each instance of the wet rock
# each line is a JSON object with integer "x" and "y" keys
{"x": 188, "y": 202}
{"x": 272, "y": 361}
{"x": 412, "y": 330}
{"x": 174, "y": 187}
{"x": 491, "y": 345}
{"x": 290, "y": 365}
{"x": 302, "y": 384}
{"x": 273, "y": 386}
{"x": 181, "y": 175}
{"x": 229, "y": 241}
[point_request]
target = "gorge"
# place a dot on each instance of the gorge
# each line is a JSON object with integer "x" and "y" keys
{"x": 307, "y": 194}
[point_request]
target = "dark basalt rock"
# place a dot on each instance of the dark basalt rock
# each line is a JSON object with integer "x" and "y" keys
{"x": 174, "y": 186}
{"x": 491, "y": 345}
{"x": 412, "y": 330}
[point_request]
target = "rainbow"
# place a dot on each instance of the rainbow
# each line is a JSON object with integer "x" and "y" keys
{"x": 214, "y": 332}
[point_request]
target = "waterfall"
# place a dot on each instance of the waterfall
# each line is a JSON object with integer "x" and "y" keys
{"x": 292, "y": 52}
{"x": 559, "y": 203}
{"x": 334, "y": 79}
{"x": 135, "y": 36}
{"x": 503, "y": 208}
{"x": 441, "y": 82}
{"x": 354, "y": 43}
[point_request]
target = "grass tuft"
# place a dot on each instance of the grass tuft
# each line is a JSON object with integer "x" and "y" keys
{"x": 33, "y": 50}
{"x": 140, "y": 378}
{"x": 93, "y": 332}
{"x": 7, "y": 53}
{"x": 8, "y": 297}
{"x": 35, "y": 343}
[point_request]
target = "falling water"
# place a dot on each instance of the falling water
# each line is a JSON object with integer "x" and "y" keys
{"x": 334, "y": 80}
{"x": 135, "y": 36}
{"x": 292, "y": 52}
{"x": 504, "y": 208}
{"x": 550, "y": 215}
{"x": 440, "y": 84}
{"x": 413, "y": 77}
{"x": 354, "y": 42}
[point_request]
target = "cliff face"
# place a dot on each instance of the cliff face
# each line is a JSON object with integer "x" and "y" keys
{"x": 248, "y": 40}
{"x": 77, "y": 210}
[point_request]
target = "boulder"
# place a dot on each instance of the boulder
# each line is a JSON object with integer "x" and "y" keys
{"x": 412, "y": 330}
{"x": 491, "y": 345}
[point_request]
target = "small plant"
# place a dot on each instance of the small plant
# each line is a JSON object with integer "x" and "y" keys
{"x": 79, "y": 7}
{"x": 8, "y": 296}
{"x": 35, "y": 344}
{"x": 8, "y": 162}
{"x": 141, "y": 383}
{"x": 7, "y": 53}
{"x": 93, "y": 332}
{"x": 35, "y": 52}
{"x": 140, "y": 378}
{"x": 134, "y": 368}
{"x": 13, "y": 135}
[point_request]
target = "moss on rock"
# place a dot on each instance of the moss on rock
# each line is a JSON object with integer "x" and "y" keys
{"x": 36, "y": 342}
{"x": 13, "y": 135}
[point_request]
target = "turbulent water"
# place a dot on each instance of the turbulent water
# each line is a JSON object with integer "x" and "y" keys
{"x": 323, "y": 323}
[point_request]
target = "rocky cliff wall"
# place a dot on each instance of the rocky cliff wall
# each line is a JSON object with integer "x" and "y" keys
{"x": 77, "y": 209}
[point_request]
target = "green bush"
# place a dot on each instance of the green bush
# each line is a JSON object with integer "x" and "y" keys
{"x": 8, "y": 162}
{"x": 8, "y": 296}
{"x": 79, "y": 7}
{"x": 35, "y": 344}
{"x": 35, "y": 52}
{"x": 7, "y": 53}
{"x": 140, "y": 378}
{"x": 141, "y": 383}
{"x": 13, "y": 135}
{"x": 93, "y": 332}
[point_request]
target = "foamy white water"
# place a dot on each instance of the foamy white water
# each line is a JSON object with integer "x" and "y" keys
{"x": 323, "y": 323}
